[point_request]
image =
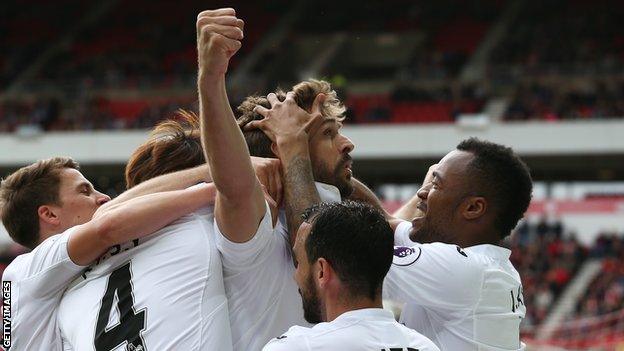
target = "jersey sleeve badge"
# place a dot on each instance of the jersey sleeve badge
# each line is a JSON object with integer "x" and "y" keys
{"x": 405, "y": 256}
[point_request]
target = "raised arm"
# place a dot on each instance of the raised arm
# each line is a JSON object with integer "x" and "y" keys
{"x": 364, "y": 194}
{"x": 290, "y": 128}
{"x": 167, "y": 182}
{"x": 134, "y": 219}
{"x": 267, "y": 170}
{"x": 240, "y": 203}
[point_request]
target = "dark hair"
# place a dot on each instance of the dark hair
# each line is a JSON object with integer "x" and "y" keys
{"x": 305, "y": 92}
{"x": 258, "y": 143}
{"x": 504, "y": 178}
{"x": 173, "y": 145}
{"x": 355, "y": 239}
{"x": 24, "y": 191}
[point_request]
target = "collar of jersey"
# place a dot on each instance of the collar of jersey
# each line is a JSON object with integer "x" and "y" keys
{"x": 490, "y": 251}
{"x": 366, "y": 313}
{"x": 327, "y": 192}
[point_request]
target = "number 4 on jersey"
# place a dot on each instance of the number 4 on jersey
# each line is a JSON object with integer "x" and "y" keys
{"x": 131, "y": 323}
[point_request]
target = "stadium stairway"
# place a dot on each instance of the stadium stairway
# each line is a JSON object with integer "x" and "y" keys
{"x": 569, "y": 298}
{"x": 271, "y": 38}
{"x": 321, "y": 60}
{"x": 475, "y": 68}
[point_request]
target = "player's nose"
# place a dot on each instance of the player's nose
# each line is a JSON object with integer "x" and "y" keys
{"x": 102, "y": 198}
{"x": 346, "y": 145}
{"x": 423, "y": 192}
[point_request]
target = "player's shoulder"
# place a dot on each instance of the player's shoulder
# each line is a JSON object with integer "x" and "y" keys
{"x": 487, "y": 253}
{"x": 23, "y": 262}
{"x": 440, "y": 253}
{"x": 294, "y": 339}
{"x": 452, "y": 253}
{"x": 437, "y": 260}
{"x": 463, "y": 262}
{"x": 14, "y": 270}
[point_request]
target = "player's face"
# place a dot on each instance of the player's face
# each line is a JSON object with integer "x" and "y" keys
{"x": 441, "y": 199}
{"x": 304, "y": 277}
{"x": 329, "y": 152}
{"x": 79, "y": 200}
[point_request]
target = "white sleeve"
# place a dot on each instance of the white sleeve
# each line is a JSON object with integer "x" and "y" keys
{"x": 237, "y": 255}
{"x": 401, "y": 234}
{"x": 47, "y": 269}
{"x": 436, "y": 275}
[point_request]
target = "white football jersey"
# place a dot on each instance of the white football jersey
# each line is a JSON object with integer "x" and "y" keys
{"x": 262, "y": 294}
{"x": 371, "y": 329}
{"x": 36, "y": 281}
{"x": 462, "y": 299}
{"x": 162, "y": 292}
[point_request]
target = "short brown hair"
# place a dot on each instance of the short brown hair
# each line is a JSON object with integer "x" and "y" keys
{"x": 22, "y": 192}
{"x": 173, "y": 145}
{"x": 305, "y": 92}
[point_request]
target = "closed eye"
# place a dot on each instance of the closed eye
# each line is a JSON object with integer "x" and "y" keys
{"x": 86, "y": 189}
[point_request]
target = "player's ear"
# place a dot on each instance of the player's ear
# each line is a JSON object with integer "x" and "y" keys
{"x": 474, "y": 207}
{"x": 49, "y": 214}
{"x": 323, "y": 272}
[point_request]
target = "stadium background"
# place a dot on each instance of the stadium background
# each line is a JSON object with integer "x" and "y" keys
{"x": 87, "y": 79}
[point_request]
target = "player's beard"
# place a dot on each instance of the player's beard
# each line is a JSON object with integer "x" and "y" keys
{"x": 311, "y": 303}
{"x": 336, "y": 177}
{"x": 426, "y": 233}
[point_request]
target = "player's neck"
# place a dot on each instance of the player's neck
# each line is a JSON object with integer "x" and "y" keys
{"x": 45, "y": 233}
{"x": 336, "y": 307}
{"x": 479, "y": 238}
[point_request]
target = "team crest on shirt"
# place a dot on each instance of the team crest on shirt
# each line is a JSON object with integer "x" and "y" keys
{"x": 404, "y": 256}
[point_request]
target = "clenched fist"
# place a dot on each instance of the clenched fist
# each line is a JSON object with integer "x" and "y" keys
{"x": 219, "y": 35}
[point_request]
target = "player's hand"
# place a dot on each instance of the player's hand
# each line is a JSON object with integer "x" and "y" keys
{"x": 269, "y": 173}
{"x": 286, "y": 121}
{"x": 219, "y": 35}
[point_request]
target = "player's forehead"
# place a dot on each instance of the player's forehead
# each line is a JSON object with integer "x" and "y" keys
{"x": 453, "y": 165}
{"x": 72, "y": 178}
{"x": 328, "y": 123}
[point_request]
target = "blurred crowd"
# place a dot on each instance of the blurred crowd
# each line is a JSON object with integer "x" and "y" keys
{"x": 563, "y": 36}
{"x": 606, "y": 294}
{"x": 45, "y": 115}
{"x": 592, "y": 100}
{"x": 547, "y": 259}
{"x": 567, "y": 66}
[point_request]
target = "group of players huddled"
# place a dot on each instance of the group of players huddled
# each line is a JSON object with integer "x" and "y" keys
{"x": 211, "y": 249}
